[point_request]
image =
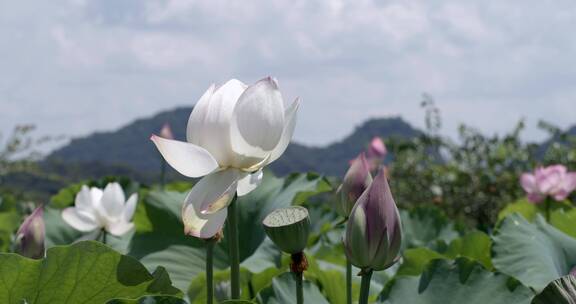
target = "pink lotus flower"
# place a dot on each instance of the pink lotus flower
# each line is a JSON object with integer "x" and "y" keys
{"x": 554, "y": 181}
{"x": 166, "y": 132}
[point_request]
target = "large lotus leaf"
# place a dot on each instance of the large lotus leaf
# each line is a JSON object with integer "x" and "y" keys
{"x": 426, "y": 227}
{"x": 250, "y": 284}
{"x": 160, "y": 240}
{"x": 474, "y": 246}
{"x": 415, "y": 260}
{"x": 283, "y": 291}
{"x": 149, "y": 300}
{"x": 527, "y": 209}
{"x": 86, "y": 272}
{"x": 564, "y": 220}
{"x": 461, "y": 281}
{"x": 534, "y": 253}
{"x": 530, "y": 210}
{"x": 559, "y": 291}
{"x": 9, "y": 222}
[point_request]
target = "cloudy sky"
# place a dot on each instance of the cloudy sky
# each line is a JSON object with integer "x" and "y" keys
{"x": 73, "y": 67}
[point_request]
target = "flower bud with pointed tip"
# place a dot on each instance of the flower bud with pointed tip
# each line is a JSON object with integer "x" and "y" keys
{"x": 373, "y": 232}
{"x": 377, "y": 149}
{"x": 356, "y": 180}
{"x": 166, "y": 132}
{"x": 31, "y": 234}
{"x": 288, "y": 228}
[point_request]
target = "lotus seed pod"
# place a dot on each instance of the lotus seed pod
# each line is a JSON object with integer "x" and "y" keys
{"x": 288, "y": 228}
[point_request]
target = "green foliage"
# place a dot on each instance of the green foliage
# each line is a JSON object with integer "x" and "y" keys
{"x": 534, "y": 253}
{"x": 461, "y": 281}
{"x": 427, "y": 226}
{"x": 474, "y": 246}
{"x": 443, "y": 261}
{"x": 86, "y": 272}
{"x": 159, "y": 239}
{"x": 9, "y": 221}
{"x": 477, "y": 176}
{"x": 149, "y": 300}
{"x": 283, "y": 291}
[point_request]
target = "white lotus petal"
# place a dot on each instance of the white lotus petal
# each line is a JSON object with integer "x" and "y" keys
{"x": 201, "y": 225}
{"x": 112, "y": 203}
{"x": 209, "y": 123}
{"x": 249, "y": 182}
{"x": 290, "y": 124}
{"x": 96, "y": 194}
{"x": 258, "y": 120}
{"x": 119, "y": 228}
{"x": 78, "y": 220}
{"x": 188, "y": 159}
{"x": 215, "y": 191}
{"x": 130, "y": 207}
{"x": 198, "y": 115}
{"x": 84, "y": 200}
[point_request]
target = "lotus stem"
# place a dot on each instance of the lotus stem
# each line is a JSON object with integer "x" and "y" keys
{"x": 348, "y": 281}
{"x": 365, "y": 285}
{"x": 298, "y": 265}
{"x": 233, "y": 253}
{"x": 103, "y": 235}
{"x": 299, "y": 289}
{"x": 209, "y": 270}
{"x": 547, "y": 204}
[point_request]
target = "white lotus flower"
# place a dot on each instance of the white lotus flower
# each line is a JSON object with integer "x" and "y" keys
{"x": 96, "y": 209}
{"x": 233, "y": 132}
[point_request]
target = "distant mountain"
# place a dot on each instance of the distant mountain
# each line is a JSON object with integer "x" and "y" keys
{"x": 130, "y": 146}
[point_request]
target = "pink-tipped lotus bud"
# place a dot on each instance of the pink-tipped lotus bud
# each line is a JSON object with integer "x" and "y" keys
{"x": 166, "y": 132}
{"x": 356, "y": 180}
{"x": 377, "y": 149}
{"x": 31, "y": 234}
{"x": 373, "y": 232}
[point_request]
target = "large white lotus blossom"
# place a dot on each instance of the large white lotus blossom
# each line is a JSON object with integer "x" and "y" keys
{"x": 96, "y": 209}
{"x": 233, "y": 132}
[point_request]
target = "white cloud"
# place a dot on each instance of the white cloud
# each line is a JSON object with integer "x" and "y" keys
{"x": 96, "y": 65}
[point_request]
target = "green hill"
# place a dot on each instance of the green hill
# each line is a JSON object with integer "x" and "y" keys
{"x": 130, "y": 146}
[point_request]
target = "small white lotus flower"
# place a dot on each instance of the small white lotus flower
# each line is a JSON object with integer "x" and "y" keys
{"x": 233, "y": 132}
{"x": 96, "y": 209}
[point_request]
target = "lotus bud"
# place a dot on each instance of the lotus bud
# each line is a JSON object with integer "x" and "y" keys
{"x": 288, "y": 228}
{"x": 377, "y": 149}
{"x": 166, "y": 132}
{"x": 356, "y": 180}
{"x": 373, "y": 232}
{"x": 30, "y": 236}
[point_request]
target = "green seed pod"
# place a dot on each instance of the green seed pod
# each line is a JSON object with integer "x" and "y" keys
{"x": 288, "y": 228}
